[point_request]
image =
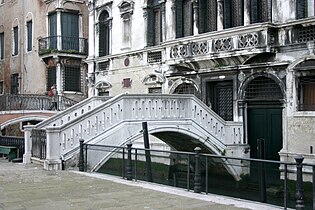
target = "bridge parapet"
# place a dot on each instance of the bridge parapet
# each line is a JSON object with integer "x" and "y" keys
{"x": 133, "y": 109}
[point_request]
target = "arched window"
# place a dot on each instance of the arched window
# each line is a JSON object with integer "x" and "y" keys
{"x": 186, "y": 88}
{"x": 104, "y": 34}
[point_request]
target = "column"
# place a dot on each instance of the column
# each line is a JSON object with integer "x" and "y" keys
{"x": 246, "y": 12}
{"x": 28, "y": 143}
{"x": 220, "y": 15}
{"x": 195, "y": 15}
{"x": 52, "y": 161}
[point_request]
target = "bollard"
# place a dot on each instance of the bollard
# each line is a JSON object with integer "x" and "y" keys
{"x": 81, "y": 158}
{"x": 129, "y": 164}
{"x": 299, "y": 195}
{"x": 197, "y": 179}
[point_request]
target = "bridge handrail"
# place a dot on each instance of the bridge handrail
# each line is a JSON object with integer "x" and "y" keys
{"x": 76, "y": 111}
{"x": 141, "y": 107}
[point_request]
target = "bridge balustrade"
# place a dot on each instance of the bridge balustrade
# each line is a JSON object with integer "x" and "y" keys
{"x": 130, "y": 110}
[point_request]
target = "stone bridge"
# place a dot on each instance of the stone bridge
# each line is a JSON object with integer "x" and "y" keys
{"x": 181, "y": 121}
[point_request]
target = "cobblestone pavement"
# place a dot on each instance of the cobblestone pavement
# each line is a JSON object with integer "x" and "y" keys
{"x": 31, "y": 187}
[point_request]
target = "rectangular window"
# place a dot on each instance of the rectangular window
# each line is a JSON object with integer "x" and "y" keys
{"x": 155, "y": 90}
{"x": 53, "y": 31}
{"x": 157, "y": 26}
{"x": 15, "y": 40}
{"x": 70, "y": 31}
{"x": 1, "y": 46}
{"x": 15, "y": 84}
{"x": 126, "y": 82}
{"x": 1, "y": 87}
{"x": 220, "y": 98}
{"x": 29, "y": 25}
{"x": 72, "y": 78}
{"x": 51, "y": 77}
{"x": 307, "y": 93}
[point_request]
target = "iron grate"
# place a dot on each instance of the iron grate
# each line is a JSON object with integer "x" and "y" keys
{"x": 263, "y": 88}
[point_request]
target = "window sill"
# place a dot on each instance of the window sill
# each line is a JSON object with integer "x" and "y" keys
{"x": 304, "y": 114}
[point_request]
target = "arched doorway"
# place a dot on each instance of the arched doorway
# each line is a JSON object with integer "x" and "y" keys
{"x": 263, "y": 97}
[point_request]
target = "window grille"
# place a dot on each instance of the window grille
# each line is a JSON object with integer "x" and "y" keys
{"x": 155, "y": 57}
{"x": 103, "y": 67}
{"x": 306, "y": 93}
{"x": 263, "y": 88}
{"x": 306, "y": 34}
{"x": 15, "y": 84}
{"x": 72, "y": 78}
{"x": 51, "y": 77}
{"x": 220, "y": 96}
{"x": 186, "y": 88}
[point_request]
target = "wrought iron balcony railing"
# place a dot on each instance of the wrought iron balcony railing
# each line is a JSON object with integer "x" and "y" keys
{"x": 63, "y": 44}
{"x": 32, "y": 102}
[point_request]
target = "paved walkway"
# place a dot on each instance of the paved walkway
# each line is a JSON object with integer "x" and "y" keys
{"x": 31, "y": 187}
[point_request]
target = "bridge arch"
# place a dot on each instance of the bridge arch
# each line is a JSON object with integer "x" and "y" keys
{"x": 191, "y": 139}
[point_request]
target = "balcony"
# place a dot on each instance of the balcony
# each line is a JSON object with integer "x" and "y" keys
{"x": 63, "y": 44}
{"x": 32, "y": 102}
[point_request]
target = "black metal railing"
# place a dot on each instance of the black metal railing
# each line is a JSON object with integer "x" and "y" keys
{"x": 11, "y": 141}
{"x": 262, "y": 180}
{"x": 39, "y": 143}
{"x": 64, "y": 44}
{"x": 32, "y": 102}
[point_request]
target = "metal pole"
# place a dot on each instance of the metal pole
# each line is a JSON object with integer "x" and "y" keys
{"x": 299, "y": 195}
{"x": 285, "y": 186}
{"x": 147, "y": 151}
{"x": 313, "y": 187}
{"x": 129, "y": 164}
{"x": 262, "y": 172}
{"x": 207, "y": 174}
{"x": 81, "y": 158}
{"x": 136, "y": 163}
{"x": 197, "y": 179}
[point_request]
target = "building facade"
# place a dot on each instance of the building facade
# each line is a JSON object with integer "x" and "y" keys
{"x": 42, "y": 43}
{"x": 251, "y": 61}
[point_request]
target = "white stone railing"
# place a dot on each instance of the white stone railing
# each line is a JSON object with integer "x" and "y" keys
{"x": 147, "y": 107}
{"x": 76, "y": 111}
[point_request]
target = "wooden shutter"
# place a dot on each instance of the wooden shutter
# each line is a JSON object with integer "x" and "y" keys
{"x": 70, "y": 31}
{"x": 301, "y": 9}
{"x": 227, "y": 14}
{"x": 150, "y": 27}
{"x": 179, "y": 18}
{"x": 203, "y": 19}
{"x": 53, "y": 30}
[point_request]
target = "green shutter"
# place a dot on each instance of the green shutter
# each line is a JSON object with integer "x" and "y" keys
{"x": 227, "y": 14}
{"x": 150, "y": 27}
{"x": 301, "y": 9}
{"x": 203, "y": 19}
{"x": 53, "y": 31}
{"x": 70, "y": 31}
{"x": 254, "y": 11}
{"x": 16, "y": 40}
{"x": 179, "y": 18}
